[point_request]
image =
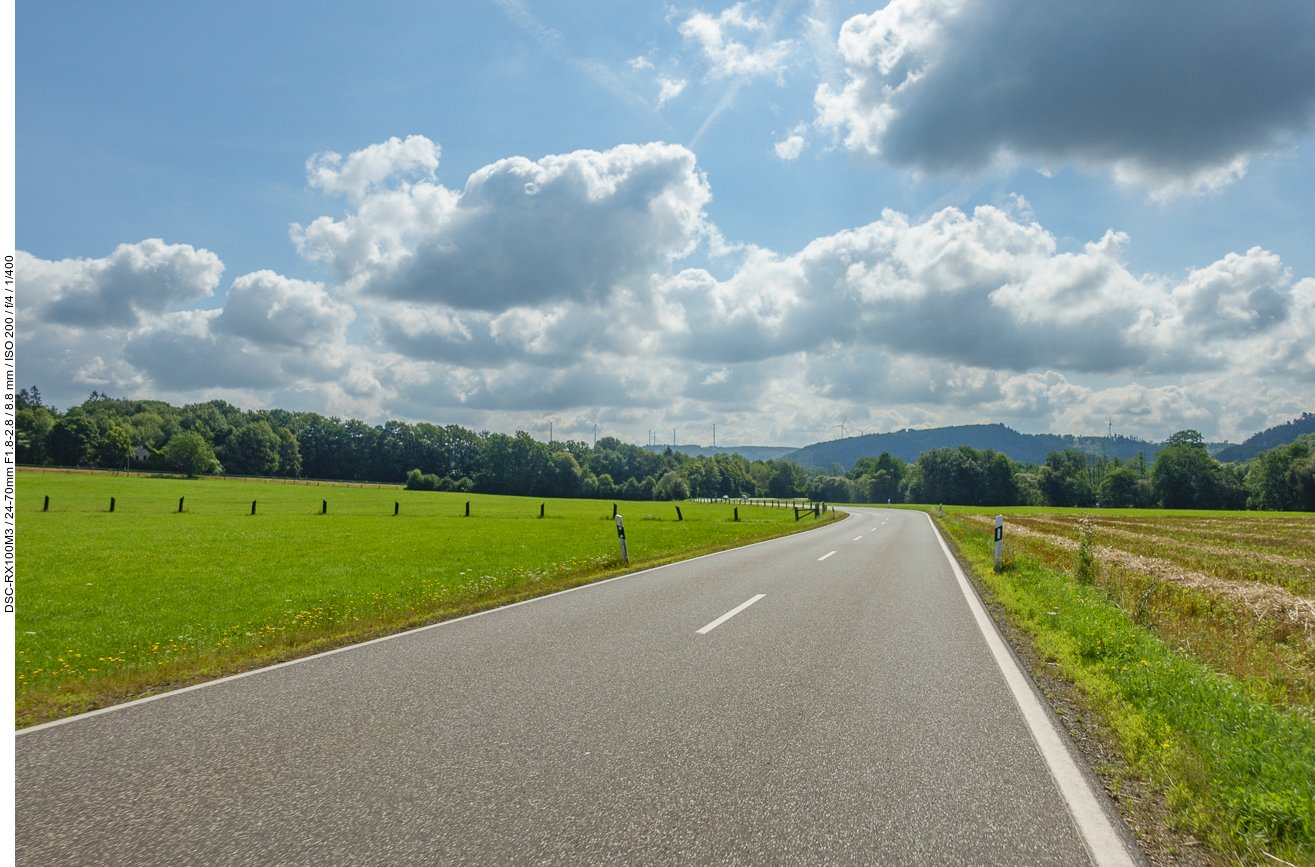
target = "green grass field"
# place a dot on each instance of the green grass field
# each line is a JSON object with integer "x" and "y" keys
{"x": 1200, "y": 694}
{"x": 111, "y": 606}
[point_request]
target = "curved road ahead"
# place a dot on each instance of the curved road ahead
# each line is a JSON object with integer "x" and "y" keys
{"x": 854, "y": 713}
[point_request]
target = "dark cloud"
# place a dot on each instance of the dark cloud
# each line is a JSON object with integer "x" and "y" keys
{"x": 1170, "y": 89}
{"x": 182, "y": 360}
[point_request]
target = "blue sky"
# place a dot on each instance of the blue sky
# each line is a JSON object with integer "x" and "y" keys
{"x": 773, "y": 217}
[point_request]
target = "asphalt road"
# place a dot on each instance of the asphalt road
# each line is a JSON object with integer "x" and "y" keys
{"x": 853, "y": 713}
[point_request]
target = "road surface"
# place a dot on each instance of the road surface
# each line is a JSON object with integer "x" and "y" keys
{"x": 850, "y": 710}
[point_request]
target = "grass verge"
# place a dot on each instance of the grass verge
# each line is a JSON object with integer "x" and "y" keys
{"x": 113, "y": 606}
{"x": 1237, "y": 771}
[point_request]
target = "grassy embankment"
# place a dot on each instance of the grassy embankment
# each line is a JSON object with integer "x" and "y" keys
{"x": 114, "y": 606}
{"x": 1192, "y": 636}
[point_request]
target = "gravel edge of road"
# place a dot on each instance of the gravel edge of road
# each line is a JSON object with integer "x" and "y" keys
{"x": 1144, "y": 810}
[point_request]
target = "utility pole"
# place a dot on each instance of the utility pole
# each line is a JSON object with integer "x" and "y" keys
{"x": 714, "y": 435}
{"x": 595, "y": 436}
{"x": 549, "y": 433}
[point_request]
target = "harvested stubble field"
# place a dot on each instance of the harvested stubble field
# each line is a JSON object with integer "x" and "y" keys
{"x": 117, "y": 605}
{"x": 1237, "y": 591}
{"x": 1192, "y": 636}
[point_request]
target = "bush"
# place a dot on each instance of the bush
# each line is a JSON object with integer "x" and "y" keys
{"x": 671, "y": 486}
{"x": 189, "y": 453}
{"x": 418, "y": 481}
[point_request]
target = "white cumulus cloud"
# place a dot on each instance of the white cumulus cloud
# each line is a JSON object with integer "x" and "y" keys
{"x": 569, "y": 226}
{"x": 794, "y": 144}
{"x": 729, "y": 57}
{"x": 135, "y": 280}
{"x": 365, "y": 169}
{"x": 670, "y": 89}
{"x": 556, "y": 285}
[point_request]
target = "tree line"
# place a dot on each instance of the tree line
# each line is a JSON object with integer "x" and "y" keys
{"x": 217, "y": 437}
{"x": 1180, "y": 475}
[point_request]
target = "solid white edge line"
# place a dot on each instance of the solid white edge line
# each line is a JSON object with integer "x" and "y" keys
{"x": 1103, "y": 841}
{"x": 729, "y": 614}
{"x": 824, "y": 556}
{"x": 127, "y": 704}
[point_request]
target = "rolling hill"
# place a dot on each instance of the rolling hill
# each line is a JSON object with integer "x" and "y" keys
{"x": 908, "y": 444}
{"x": 1279, "y": 435}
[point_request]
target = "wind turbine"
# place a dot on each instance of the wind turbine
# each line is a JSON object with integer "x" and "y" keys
{"x": 842, "y": 427}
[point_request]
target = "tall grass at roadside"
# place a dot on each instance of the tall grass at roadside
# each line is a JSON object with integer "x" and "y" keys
{"x": 1237, "y": 771}
{"x": 110, "y": 605}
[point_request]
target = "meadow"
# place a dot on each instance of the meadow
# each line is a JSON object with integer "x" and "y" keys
{"x": 117, "y": 605}
{"x": 1192, "y": 636}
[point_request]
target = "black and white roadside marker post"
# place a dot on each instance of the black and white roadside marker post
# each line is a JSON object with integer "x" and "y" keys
{"x": 999, "y": 539}
{"x": 621, "y": 537}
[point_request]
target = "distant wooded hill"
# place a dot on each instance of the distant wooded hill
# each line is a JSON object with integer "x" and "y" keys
{"x": 907, "y": 445}
{"x": 1279, "y": 435}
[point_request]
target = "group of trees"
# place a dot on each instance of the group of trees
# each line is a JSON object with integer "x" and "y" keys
{"x": 218, "y": 437}
{"x": 1182, "y": 476}
{"x": 200, "y": 438}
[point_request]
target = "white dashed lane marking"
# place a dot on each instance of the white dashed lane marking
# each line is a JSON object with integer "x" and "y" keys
{"x": 729, "y": 614}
